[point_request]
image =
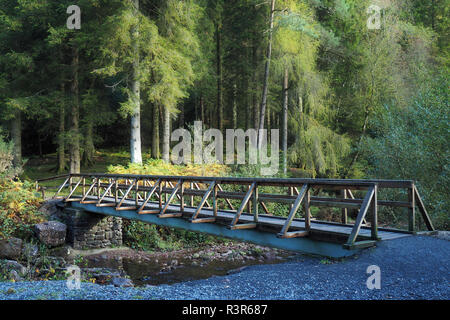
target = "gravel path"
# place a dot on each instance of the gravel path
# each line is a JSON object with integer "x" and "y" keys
{"x": 411, "y": 268}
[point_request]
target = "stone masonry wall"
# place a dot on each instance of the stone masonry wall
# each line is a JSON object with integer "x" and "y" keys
{"x": 87, "y": 230}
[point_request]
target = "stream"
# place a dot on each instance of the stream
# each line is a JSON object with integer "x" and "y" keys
{"x": 168, "y": 268}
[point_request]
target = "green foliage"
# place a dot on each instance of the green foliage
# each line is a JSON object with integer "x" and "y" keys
{"x": 19, "y": 205}
{"x": 412, "y": 143}
{"x": 159, "y": 167}
{"x": 6, "y": 157}
{"x": 139, "y": 235}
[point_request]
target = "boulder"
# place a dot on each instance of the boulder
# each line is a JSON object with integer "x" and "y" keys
{"x": 51, "y": 233}
{"x": 50, "y": 208}
{"x": 122, "y": 282}
{"x": 13, "y": 275}
{"x": 11, "y": 265}
{"x": 10, "y": 248}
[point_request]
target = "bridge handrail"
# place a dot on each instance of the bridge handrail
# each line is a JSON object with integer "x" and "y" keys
{"x": 264, "y": 181}
{"x": 368, "y": 205}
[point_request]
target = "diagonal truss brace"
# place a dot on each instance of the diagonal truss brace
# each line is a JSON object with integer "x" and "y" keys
{"x": 149, "y": 196}
{"x": 83, "y": 200}
{"x": 68, "y": 199}
{"x": 99, "y": 202}
{"x": 119, "y": 206}
{"x": 298, "y": 201}
{"x": 194, "y": 218}
{"x": 169, "y": 200}
{"x": 367, "y": 202}
{"x": 61, "y": 187}
{"x": 234, "y": 224}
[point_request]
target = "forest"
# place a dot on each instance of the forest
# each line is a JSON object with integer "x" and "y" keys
{"x": 357, "y": 88}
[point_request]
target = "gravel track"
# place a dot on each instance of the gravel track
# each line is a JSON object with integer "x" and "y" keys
{"x": 411, "y": 268}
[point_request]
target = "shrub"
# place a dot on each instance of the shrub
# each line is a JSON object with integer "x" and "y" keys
{"x": 159, "y": 167}
{"x": 19, "y": 205}
{"x": 412, "y": 143}
{"x": 6, "y": 158}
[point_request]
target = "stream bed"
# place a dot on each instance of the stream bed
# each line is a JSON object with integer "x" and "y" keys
{"x": 158, "y": 268}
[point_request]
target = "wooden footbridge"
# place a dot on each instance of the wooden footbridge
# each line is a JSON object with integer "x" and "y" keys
{"x": 238, "y": 208}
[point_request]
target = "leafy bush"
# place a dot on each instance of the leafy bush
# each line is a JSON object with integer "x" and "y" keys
{"x": 19, "y": 205}
{"x": 140, "y": 235}
{"x": 413, "y": 144}
{"x": 6, "y": 158}
{"x": 159, "y": 167}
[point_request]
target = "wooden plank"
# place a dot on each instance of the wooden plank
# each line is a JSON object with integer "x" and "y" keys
{"x": 360, "y": 218}
{"x": 293, "y": 234}
{"x": 126, "y": 208}
{"x": 149, "y": 211}
{"x": 366, "y": 184}
{"x": 240, "y": 226}
{"x": 170, "y": 215}
{"x": 243, "y": 204}
{"x": 203, "y": 201}
{"x": 411, "y": 210}
{"x": 294, "y": 209}
{"x": 255, "y": 204}
{"x": 124, "y": 197}
{"x": 169, "y": 200}
{"x": 360, "y": 244}
{"x": 149, "y": 196}
{"x": 204, "y": 220}
{"x": 344, "y": 210}
{"x": 307, "y": 208}
{"x": 337, "y": 204}
{"x": 106, "y": 192}
{"x": 374, "y": 211}
{"x": 72, "y": 191}
{"x": 105, "y": 204}
{"x": 423, "y": 211}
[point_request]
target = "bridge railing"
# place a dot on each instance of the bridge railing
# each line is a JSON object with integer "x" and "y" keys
{"x": 209, "y": 195}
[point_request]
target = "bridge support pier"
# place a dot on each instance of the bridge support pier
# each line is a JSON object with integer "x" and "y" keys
{"x": 87, "y": 230}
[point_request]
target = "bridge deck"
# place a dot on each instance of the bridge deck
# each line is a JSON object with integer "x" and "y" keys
{"x": 273, "y": 223}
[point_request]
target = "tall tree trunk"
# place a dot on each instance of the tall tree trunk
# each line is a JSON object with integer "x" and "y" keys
{"x": 266, "y": 76}
{"x": 135, "y": 141}
{"x": 74, "y": 146}
{"x": 234, "y": 106}
{"x": 62, "y": 129}
{"x": 255, "y": 87}
{"x": 202, "y": 109}
{"x": 89, "y": 148}
{"x": 285, "y": 117}
{"x": 155, "y": 135}
{"x": 16, "y": 135}
{"x": 181, "y": 125}
{"x": 219, "y": 77}
{"x": 166, "y": 136}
